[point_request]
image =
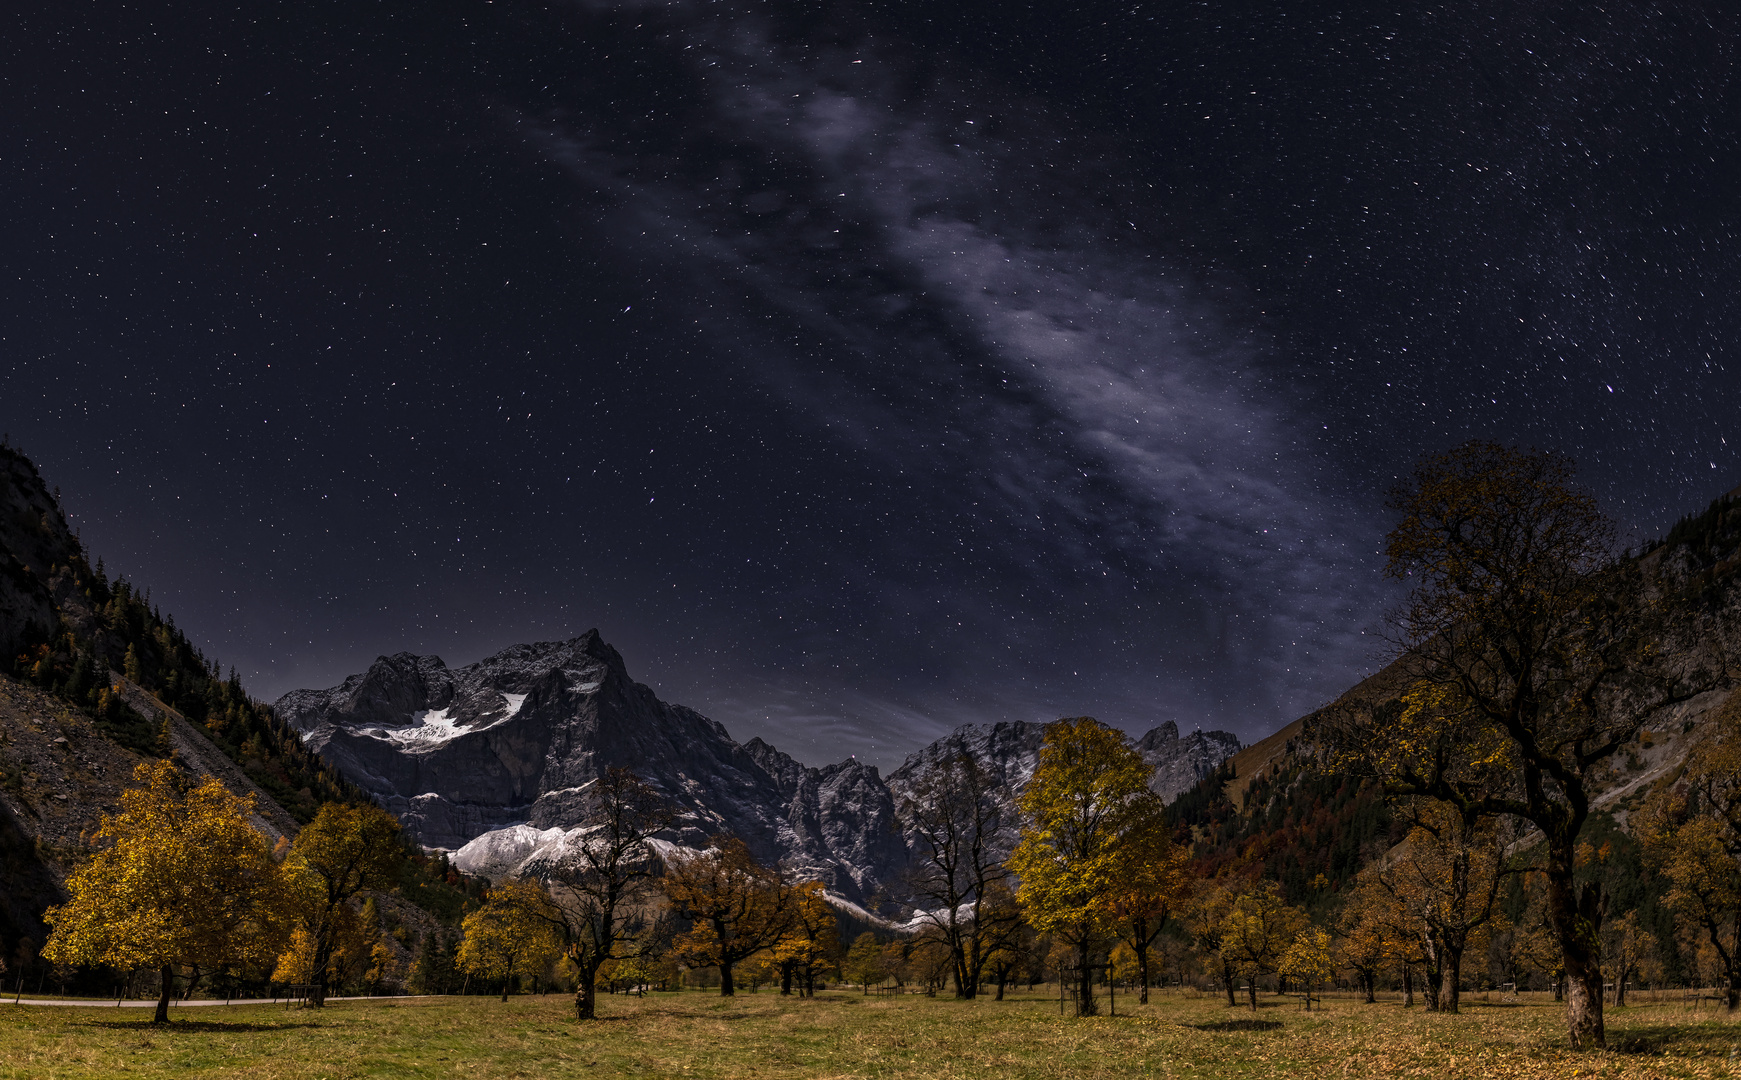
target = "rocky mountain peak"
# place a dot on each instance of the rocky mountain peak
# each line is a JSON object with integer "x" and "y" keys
{"x": 494, "y": 760}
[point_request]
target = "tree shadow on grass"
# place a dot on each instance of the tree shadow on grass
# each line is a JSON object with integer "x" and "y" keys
{"x": 177, "y": 1026}
{"x": 1698, "y": 1039}
{"x": 1236, "y": 1025}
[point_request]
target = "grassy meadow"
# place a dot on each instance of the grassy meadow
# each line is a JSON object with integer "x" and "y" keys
{"x": 843, "y": 1034}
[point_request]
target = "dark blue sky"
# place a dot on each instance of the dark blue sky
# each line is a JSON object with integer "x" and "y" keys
{"x": 859, "y": 370}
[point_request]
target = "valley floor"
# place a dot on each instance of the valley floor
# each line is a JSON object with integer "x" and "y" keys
{"x": 1181, "y": 1034}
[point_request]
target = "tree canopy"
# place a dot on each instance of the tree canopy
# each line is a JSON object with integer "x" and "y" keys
{"x": 343, "y": 851}
{"x": 185, "y": 880}
{"x": 1535, "y": 651}
{"x": 739, "y": 907}
{"x": 1089, "y": 789}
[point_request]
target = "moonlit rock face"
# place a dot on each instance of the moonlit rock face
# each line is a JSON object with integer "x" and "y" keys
{"x": 495, "y": 761}
{"x": 1007, "y": 754}
{"x": 499, "y": 852}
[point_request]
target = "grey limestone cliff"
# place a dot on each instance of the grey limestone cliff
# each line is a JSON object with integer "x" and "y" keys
{"x": 493, "y": 760}
{"x": 514, "y": 740}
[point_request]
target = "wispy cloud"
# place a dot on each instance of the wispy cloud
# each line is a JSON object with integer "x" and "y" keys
{"x": 967, "y": 310}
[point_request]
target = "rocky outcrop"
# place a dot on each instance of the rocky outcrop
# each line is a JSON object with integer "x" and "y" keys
{"x": 1180, "y": 763}
{"x": 34, "y": 539}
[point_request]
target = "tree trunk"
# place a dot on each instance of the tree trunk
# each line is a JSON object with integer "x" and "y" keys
{"x": 167, "y": 975}
{"x": 322, "y": 958}
{"x": 1733, "y": 994}
{"x": 1227, "y": 982}
{"x": 1408, "y": 987}
{"x": 1576, "y": 915}
{"x": 586, "y": 997}
{"x": 1371, "y": 987}
{"x": 1584, "y": 1009}
{"x": 1251, "y": 990}
{"x": 1450, "y": 978}
{"x": 1142, "y": 971}
{"x": 1085, "y": 984}
{"x": 725, "y": 985}
{"x": 786, "y": 978}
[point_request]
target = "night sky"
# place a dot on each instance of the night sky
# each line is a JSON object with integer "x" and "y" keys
{"x": 858, "y": 370}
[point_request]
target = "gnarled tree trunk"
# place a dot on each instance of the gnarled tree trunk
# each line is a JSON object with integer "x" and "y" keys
{"x": 165, "y": 987}
{"x": 1576, "y": 915}
{"x": 1450, "y": 978}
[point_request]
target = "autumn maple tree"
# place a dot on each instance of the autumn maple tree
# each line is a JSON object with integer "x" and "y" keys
{"x": 511, "y": 934}
{"x": 1693, "y": 837}
{"x": 184, "y": 881}
{"x": 1538, "y": 651}
{"x": 1445, "y": 877}
{"x": 738, "y": 906}
{"x": 1156, "y": 876}
{"x": 811, "y": 942}
{"x": 344, "y": 851}
{"x": 1257, "y": 932}
{"x": 1089, "y": 790}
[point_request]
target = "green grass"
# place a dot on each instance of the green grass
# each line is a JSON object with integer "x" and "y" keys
{"x": 841, "y": 1034}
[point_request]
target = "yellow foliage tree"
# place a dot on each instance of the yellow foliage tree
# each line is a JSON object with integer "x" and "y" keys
{"x": 1155, "y": 877}
{"x": 1205, "y": 918}
{"x": 1631, "y": 952}
{"x": 343, "y": 851}
{"x": 1371, "y": 941}
{"x": 350, "y": 950}
{"x": 1089, "y": 789}
{"x": 185, "y": 881}
{"x": 1696, "y": 842}
{"x": 812, "y": 944}
{"x": 1258, "y": 930}
{"x": 1309, "y": 961}
{"x": 1447, "y": 876}
{"x": 510, "y": 935}
{"x": 864, "y": 961}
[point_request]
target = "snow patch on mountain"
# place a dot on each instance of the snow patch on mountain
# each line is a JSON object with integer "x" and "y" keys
{"x": 496, "y": 760}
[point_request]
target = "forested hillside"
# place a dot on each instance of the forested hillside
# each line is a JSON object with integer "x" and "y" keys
{"x": 94, "y": 680}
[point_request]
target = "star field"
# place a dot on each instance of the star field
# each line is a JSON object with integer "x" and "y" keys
{"x": 858, "y": 370}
